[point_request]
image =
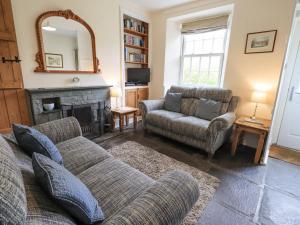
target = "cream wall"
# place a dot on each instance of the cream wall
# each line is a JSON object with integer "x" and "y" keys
{"x": 243, "y": 72}
{"x": 102, "y": 15}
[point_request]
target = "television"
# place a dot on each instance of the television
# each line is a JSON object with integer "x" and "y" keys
{"x": 138, "y": 75}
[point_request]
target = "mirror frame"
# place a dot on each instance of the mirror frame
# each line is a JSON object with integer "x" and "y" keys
{"x": 40, "y": 59}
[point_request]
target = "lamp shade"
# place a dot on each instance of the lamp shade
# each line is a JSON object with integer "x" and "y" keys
{"x": 115, "y": 92}
{"x": 259, "y": 97}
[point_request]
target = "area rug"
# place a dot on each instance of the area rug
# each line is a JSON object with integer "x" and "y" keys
{"x": 155, "y": 164}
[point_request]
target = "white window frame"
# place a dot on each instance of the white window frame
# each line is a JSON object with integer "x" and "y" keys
{"x": 222, "y": 55}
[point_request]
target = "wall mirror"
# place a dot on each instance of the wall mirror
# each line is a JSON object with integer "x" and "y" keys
{"x": 66, "y": 44}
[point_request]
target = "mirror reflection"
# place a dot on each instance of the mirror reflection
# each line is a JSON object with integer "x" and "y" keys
{"x": 67, "y": 45}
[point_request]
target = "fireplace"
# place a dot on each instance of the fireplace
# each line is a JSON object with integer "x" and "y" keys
{"x": 87, "y": 104}
{"x": 90, "y": 117}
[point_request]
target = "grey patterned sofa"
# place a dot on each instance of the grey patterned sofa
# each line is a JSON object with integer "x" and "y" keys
{"x": 184, "y": 126}
{"x": 127, "y": 196}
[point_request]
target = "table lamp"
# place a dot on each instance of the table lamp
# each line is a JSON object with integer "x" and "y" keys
{"x": 258, "y": 97}
{"x": 116, "y": 92}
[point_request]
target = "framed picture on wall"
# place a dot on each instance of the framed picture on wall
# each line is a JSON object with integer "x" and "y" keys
{"x": 54, "y": 60}
{"x": 261, "y": 42}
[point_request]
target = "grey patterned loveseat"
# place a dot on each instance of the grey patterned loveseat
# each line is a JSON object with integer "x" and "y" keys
{"x": 184, "y": 126}
{"x": 127, "y": 196}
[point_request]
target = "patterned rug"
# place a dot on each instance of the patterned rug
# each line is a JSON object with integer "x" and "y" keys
{"x": 155, "y": 164}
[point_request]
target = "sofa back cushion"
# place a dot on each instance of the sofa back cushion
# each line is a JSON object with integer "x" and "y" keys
{"x": 208, "y": 109}
{"x": 13, "y": 204}
{"x": 191, "y": 95}
{"x": 173, "y": 102}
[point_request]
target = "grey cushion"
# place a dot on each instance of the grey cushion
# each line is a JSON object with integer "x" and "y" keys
{"x": 13, "y": 206}
{"x": 162, "y": 118}
{"x": 66, "y": 189}
{"x": 208, "y": 109}
{"x": 173, "y": 102}
{"x": 191, "y": 126}
{"x": 80, "y": 154}
{"x": 32, "y": 140}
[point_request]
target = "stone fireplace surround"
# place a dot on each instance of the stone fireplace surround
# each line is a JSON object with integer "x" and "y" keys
{"x": 70, "y": 101}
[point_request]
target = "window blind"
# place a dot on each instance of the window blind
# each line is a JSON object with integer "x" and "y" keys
{"x": 205, "y": 25}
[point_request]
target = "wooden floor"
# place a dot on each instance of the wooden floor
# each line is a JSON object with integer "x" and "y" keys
{"x": 285, "y": 154}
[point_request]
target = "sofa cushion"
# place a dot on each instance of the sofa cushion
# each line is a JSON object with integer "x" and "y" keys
{"x": 32, "y": 140}
{"x": 80, "y": 154}
{"x": 208, "y": 109}
{"x": 173, "y": 102}
{"x": 191, "y": 126}
{"x": 13, "y": 206}
{"x": 41, "y": 209}
{"x": 114, "y": 184}
{"x": 188, "y": 106}
{"x": 66, "y": 189}
{"x": 162, "y": 118}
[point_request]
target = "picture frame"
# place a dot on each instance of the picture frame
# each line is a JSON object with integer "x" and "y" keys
{"x": 54, "y": 60}
{"x": 261, "y": 42}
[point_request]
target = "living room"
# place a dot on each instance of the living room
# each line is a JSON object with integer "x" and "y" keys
{"x": 149, "y": 112}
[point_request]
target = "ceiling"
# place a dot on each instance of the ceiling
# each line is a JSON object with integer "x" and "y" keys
{"x": 154, "y": 5}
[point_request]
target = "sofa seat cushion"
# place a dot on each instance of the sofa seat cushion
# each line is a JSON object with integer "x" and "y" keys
{"x": 114, "y": 184}
{"x": 80, "y": 154}
{"x": 162, "y": 118}
{"x": 191, "y": 126}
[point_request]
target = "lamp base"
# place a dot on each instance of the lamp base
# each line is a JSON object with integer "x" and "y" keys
{"x": 253, "y": 120}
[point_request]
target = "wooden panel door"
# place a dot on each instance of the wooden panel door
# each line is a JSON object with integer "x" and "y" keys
{"x": 13, "y": 107}
{"x": 131, "y": 96}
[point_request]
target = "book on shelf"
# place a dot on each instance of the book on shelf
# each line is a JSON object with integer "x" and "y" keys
{"x": 134, "y": 57}
{"x": 131, "y": 40}
{"x": 134, "y": 25}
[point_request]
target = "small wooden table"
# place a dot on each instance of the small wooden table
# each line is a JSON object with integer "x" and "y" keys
{"x": 122, "y": 112}
{"x": 242, "y": 126}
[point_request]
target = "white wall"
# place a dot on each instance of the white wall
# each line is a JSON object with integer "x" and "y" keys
{"x": 102, "y": 15}
{"x": 243, "y": 72}
{"x": 64, "y": 45}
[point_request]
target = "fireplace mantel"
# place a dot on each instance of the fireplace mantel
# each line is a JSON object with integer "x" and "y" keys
{"x": 41, "y": 90}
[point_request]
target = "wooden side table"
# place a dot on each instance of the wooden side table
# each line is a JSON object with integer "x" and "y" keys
{"x": 122, "y": 112}
{"x": 242, "y": 126}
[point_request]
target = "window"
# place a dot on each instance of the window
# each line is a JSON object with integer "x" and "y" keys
{"x": 202, "y": 57}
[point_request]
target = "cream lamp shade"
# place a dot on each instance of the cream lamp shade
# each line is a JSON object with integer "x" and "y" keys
{"x": 259, "y": 97}
{"x": 115, "y": 92}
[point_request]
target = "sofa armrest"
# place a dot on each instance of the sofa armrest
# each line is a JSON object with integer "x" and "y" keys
{"x": 167, "y": 202}
{"x": 149, "y": 105}
{"x": 61, "y": 130}
{"x": 222, "y": 122}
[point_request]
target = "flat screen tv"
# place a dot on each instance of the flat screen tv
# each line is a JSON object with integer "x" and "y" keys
{"x": 138, "y": 75}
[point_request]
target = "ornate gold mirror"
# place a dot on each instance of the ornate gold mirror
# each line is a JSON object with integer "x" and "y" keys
{"x": 66, "y": 44}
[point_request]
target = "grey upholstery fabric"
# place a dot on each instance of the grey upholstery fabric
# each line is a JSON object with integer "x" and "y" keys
{"x": 13, "y": 208}
{"x": 173, "y": 102}
{"x": 66, "y": 189}
{"x": 162, "y": 118}
{"x": 117, "y": 186}
{"x": 172, "y": 195}
{"x": 184, "y": 127}
{"x": 208, "y": 109}
{"x": 190, "y": 126}
{"x": 60, "y": 130}
{"x": 75, "y": 159}
{"x": 32, "y": 140}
